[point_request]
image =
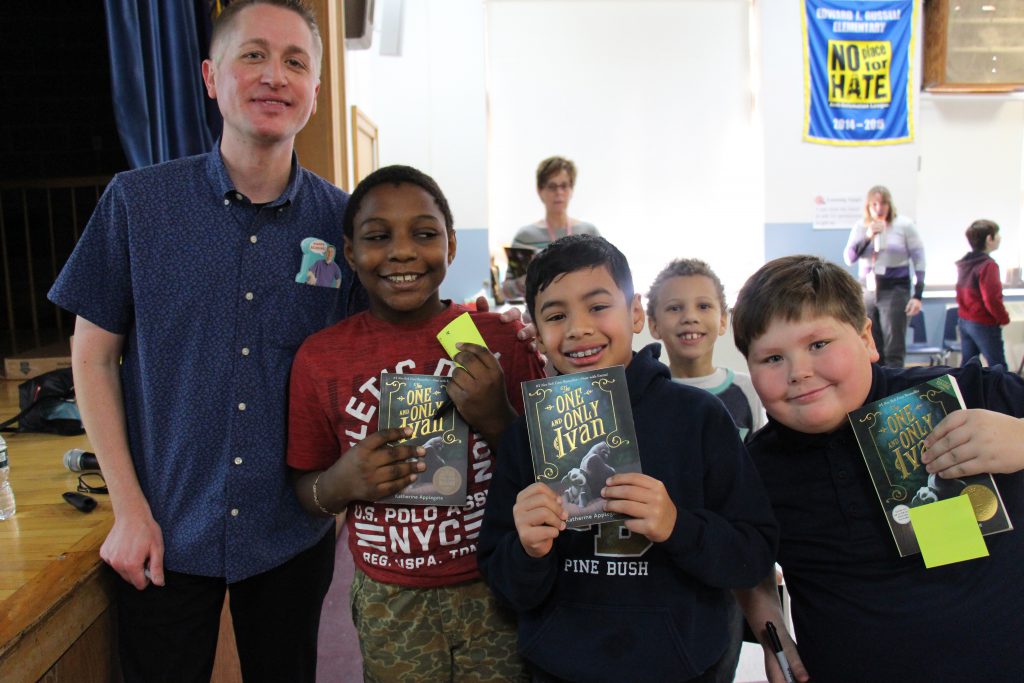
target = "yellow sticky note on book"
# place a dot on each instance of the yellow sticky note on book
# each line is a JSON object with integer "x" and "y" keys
{"x": 462, "y": 329}
{"x": 948, "y": 532}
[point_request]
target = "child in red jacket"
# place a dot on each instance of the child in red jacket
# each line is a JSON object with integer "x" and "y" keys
{"x": 979, "y": 296}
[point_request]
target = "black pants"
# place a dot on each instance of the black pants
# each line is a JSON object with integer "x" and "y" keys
{"x": 169, "y": 633}
{"x": 887, "y": 310}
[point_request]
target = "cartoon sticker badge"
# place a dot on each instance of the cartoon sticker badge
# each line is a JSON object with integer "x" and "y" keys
{"x": 319, "y": 267}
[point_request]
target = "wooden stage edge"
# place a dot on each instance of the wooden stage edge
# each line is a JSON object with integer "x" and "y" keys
{"x": 57, "y": 619}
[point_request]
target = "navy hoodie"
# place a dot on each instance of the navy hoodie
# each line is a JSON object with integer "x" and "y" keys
{"x": 608, "y": 605}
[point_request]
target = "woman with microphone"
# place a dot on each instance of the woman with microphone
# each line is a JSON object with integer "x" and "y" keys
{"x": 884, "y": 244}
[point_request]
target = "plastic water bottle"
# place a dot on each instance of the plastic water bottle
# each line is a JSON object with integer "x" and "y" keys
{"x": 6, "y": 494}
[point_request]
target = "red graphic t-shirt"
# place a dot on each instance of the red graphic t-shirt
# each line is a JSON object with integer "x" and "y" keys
{"x": 335, "y": 393}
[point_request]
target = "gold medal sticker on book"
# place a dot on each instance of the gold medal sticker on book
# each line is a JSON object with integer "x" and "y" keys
{"x": 408, "y": 400}
{"x": 581, "y": 432}
{"x": 891, "y": 434}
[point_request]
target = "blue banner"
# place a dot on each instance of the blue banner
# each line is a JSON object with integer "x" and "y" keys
{"x": 857, "y": 71}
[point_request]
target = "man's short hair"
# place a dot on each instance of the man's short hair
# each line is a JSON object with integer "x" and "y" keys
{"x": 979, "y": 232}
{"x": 394, "y": 175}
{"x": 790, "y": 288}
{"x": 226, "y": 19}
{"x": 570, "y": 254}
{"x": 552, "y": 166}
{"x": 684, "y": 267}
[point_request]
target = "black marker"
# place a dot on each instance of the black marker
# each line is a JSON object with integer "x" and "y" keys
{"x": 773, "y": 637}
{"x": 448, "y": 403}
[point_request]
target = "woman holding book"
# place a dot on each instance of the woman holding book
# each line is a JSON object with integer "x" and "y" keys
{"x": 556, "y": 178}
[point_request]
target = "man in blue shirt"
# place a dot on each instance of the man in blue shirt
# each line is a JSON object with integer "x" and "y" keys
{"x": 188, "y": 318}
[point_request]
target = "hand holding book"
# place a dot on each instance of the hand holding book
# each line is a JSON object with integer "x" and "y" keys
{"x": 645, "y": 502}
{"x": 477, "y": 389}
{"x": 974, "y": 441}
{"x": 539, "y": 516}
{"x": 371, "y": 470}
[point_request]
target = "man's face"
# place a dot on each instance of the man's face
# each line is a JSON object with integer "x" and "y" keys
{"x": 584, "y": 321}
{"x": 810, "y": 373}
{"x": 263, "y": 74}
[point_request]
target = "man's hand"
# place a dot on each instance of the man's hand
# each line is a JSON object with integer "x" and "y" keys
{"x": 645, "y": 500}
{"x": 371, "y": 470}
{"x": 539, "y": 518}
{"x": 972, "y": 441}
{"x": 135, "y": 543}
{"x": 913, "y": 307}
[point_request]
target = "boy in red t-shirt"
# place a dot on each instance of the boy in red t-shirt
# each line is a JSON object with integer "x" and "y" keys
{"x": 418, "y": 603}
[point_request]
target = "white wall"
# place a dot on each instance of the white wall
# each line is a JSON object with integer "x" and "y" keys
{"x": 971, "y": 161}
{"x": 964, "y": 163}
{"x": 652, "y": 100}
{"x": 429, "y": 103}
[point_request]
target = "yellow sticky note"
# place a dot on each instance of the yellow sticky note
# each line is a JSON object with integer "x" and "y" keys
{"x": 462, "y": 329}
{"x": 948, "y": 532}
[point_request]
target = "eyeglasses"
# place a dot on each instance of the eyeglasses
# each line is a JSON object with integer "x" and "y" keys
{"x": 555, "y": 187}
{"x": 92, "y": 482}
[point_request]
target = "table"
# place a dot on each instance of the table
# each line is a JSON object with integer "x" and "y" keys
{"x": 55, "y": 592}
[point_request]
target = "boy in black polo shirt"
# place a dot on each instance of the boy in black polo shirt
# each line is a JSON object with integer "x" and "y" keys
{"x": 861, "y": 612}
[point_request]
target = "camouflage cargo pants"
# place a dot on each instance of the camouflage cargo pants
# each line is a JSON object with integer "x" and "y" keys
{"x": 432, "y": 635}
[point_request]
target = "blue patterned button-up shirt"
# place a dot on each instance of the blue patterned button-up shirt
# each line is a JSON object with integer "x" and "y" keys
{"x": 203, "y": 284}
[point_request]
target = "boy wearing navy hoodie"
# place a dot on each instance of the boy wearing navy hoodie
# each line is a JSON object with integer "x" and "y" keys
{"x": 645, "y": 599}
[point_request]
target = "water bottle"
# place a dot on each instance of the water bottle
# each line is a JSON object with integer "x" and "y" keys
{"x": 6, "y": 494}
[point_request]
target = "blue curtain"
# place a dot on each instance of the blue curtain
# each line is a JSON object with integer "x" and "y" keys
{"x": 160, "y": 102}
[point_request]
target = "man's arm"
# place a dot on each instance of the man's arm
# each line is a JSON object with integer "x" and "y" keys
{"x": 136, "y": 541}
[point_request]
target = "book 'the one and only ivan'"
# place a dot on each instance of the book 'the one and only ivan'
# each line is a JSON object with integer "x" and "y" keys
{"x": 411, "y": 401}
{"x": 581, "y": 432}
{"x": 891, "y": 433}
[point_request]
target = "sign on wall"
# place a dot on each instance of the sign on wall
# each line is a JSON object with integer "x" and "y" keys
{"x": 857, "y": 71}
{"x": 838, "y": 211}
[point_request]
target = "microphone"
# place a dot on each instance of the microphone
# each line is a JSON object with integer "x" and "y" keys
{"x": 78, "y": 460}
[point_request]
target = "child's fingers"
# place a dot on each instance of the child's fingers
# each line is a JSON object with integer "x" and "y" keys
{"x": 634, "y": 479}
{"x": 946, "y": 426}
{"x": 627, "y": 492}
{"x": 537, "y": 517}
{"x": 396, "y": 462}
{"x": 473, "y": 357}
{"x": 634, "y": 486}
{"x": 385, "y": 436}
{"x": 631, "y": 508}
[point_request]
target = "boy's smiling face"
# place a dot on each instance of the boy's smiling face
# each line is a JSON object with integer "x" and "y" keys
{"x": 688, "y": 318}
{"x": 584, "y": 321}
{"x": 401, "y": 249}
{"x": 811, "y": 372}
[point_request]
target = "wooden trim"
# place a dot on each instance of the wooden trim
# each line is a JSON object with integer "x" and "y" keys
{"x": 936, "y": 36}
{"x": 34, "y": 641}
{"x": 364, "y": 132}
{"x": 322, "y": 145}
{"x": 978, "y": 88}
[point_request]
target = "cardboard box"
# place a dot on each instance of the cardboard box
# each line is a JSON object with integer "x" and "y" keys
{"x": 37, "y": 361}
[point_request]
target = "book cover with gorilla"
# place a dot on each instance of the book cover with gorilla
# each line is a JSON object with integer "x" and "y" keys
{"x": 581, "y": 432}
{"x": 891, "y": 433}
{"x": 411, "y": 401}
